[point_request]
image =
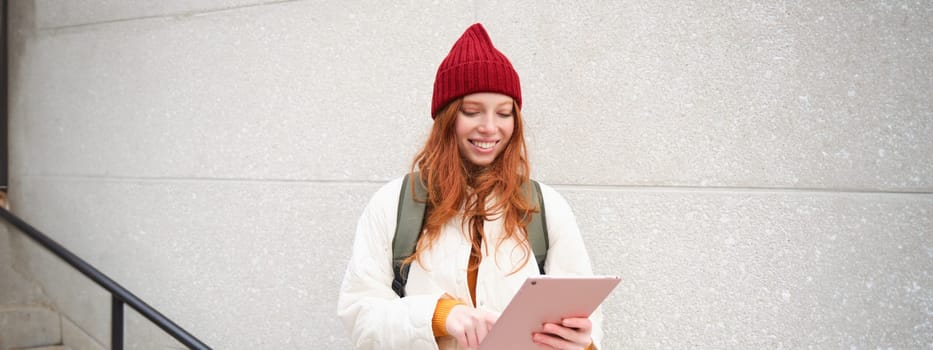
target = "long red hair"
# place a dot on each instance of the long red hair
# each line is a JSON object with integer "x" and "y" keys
{"x": 452, "y": 184}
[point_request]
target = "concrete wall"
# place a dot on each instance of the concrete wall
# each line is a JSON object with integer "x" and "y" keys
{"x": 760, "y": 174}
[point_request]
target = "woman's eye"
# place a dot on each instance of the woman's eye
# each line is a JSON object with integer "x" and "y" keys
{"x": 469, "y": 113}
{"x": 505, "y": 115}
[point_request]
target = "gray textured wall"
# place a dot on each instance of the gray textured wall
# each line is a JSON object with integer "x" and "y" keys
{"x": 759, "y": 173}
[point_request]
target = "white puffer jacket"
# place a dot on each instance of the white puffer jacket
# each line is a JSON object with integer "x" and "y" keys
{"x": 377, "y": 318}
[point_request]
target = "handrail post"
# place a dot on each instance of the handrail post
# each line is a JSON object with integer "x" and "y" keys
{"x": 116, "y": 323}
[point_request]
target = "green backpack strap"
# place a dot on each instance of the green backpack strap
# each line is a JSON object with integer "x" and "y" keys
{"x": 410, "y": 221}
{"x": 537, "y": 229}
{"x": 407, "y": 230}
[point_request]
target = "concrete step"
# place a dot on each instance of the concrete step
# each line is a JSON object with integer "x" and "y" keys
{"x": 53, "y": 347}
{"x": 29, "y": 326}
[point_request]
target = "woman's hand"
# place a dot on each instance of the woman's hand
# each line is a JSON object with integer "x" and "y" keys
{"x": 469, "y": 325}
{"x": 571, "y": 333}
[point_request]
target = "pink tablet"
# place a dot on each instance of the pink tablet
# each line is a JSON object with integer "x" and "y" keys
{"x": 544, "y": 299}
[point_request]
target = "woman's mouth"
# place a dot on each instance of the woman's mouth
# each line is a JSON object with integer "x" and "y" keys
{"x": 484, "y": 145}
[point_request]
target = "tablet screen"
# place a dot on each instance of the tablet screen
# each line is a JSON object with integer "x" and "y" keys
{"x": 546, "y": 299}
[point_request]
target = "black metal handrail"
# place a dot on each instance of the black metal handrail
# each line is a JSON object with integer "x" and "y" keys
{"x": 119, "y": 295}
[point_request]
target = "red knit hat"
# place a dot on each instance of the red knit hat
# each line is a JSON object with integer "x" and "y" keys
{"x": 474, "y": 65}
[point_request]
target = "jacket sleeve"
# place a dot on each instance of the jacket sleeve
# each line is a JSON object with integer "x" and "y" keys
{"x": 567, "y": 254}
{"x": 374, "y": 315}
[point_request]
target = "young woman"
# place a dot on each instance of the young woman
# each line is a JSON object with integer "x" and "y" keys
{"x": 473, "y": 253}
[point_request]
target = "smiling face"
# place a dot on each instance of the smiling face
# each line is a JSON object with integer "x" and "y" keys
{"x": 484, "y": 126}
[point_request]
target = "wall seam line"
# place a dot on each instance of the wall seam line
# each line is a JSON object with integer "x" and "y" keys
{"x": 186, "y": 14}
{"x": 559, "y": 186}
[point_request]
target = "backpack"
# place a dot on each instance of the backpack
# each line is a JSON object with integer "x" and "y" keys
{"x": 410, "y": 221}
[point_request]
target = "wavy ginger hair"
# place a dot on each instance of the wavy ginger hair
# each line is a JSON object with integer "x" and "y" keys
{"x": 452, "y": 183}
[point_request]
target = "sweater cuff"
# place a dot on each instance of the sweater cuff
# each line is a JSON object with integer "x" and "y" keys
{"x": 439, "y": 322}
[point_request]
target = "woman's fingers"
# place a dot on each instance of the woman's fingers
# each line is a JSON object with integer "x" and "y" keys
{"x": 490, "y": 319}
{"x": 468, "y": 325}
{"x": 481, "y": 331}
{"x": 568, "y": 334}
{"x": 580, "y": 323}
{"x": 551, "y": 341}
{"x": 571, "y": 333}
{"x": 471, "y": 341}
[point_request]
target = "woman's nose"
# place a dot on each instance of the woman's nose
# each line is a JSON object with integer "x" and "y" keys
{"x": 488, "y": 123}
